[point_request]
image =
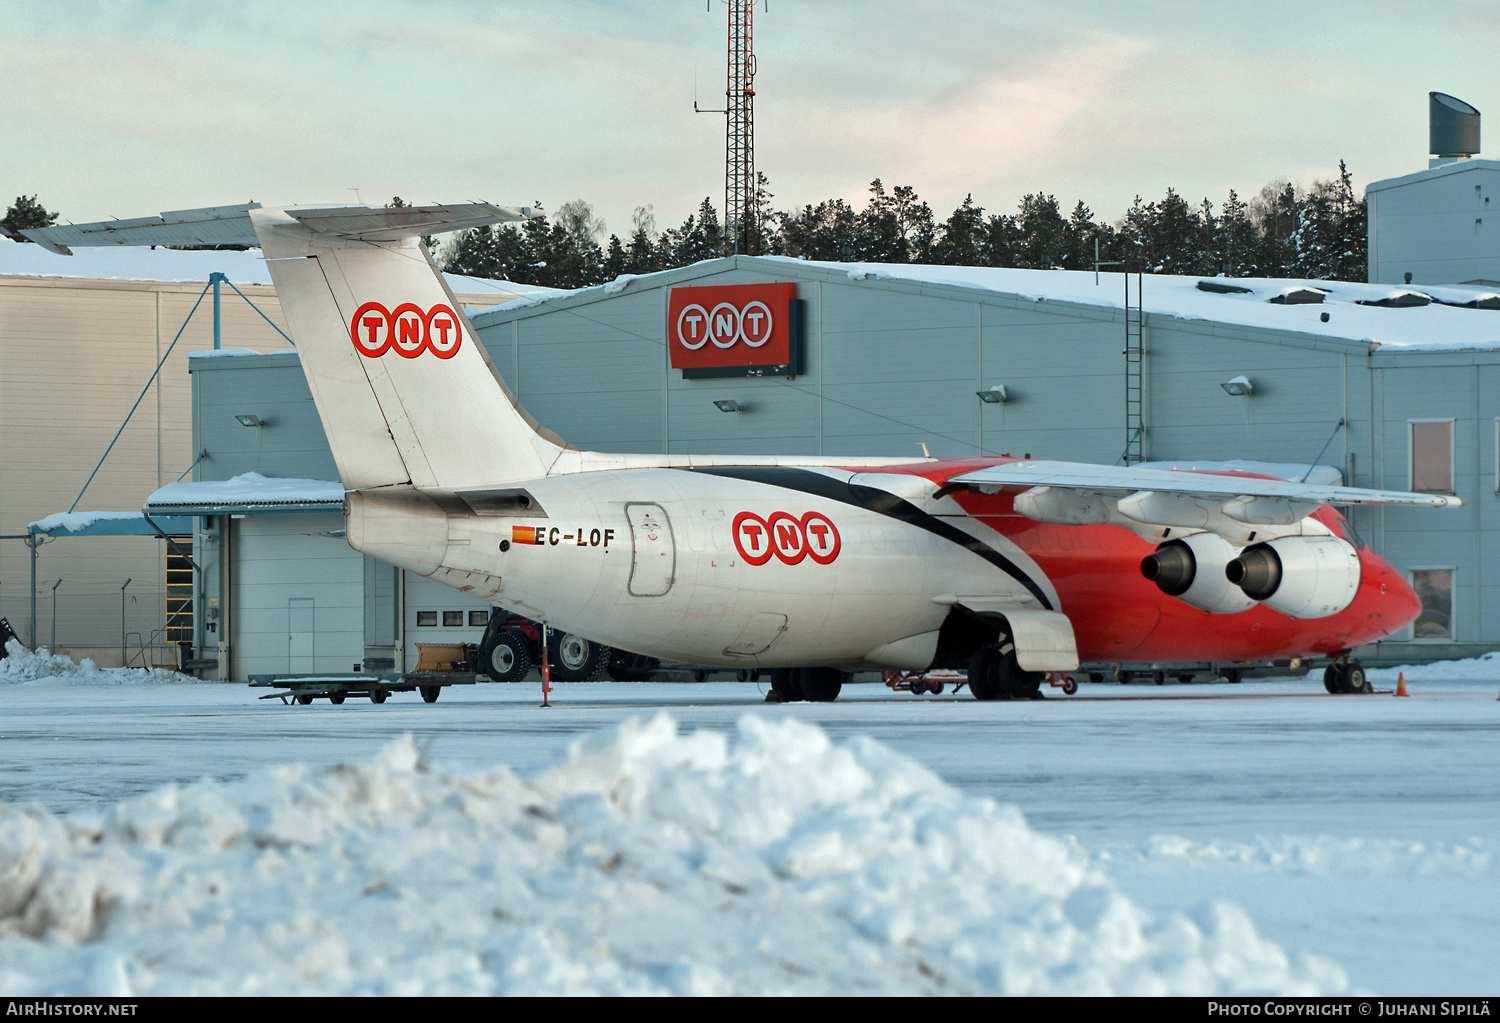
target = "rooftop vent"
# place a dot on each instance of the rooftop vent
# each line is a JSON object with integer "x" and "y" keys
{"x": 1299, "y": 296}
{"x": 1220, "y": 288}
{"x": 1452, "y": 127}
{"x": 1399, "y": 300}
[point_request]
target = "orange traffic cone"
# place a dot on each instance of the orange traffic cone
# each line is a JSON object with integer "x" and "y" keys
{"x": 1401, "y": 684}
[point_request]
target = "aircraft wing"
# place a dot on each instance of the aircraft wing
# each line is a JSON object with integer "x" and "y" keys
{"x": 230, "y": 227}
{"x": 1119, "y": 479}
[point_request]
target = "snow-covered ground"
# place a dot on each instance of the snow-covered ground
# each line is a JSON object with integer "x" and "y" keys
{"x": 784, "y": 852}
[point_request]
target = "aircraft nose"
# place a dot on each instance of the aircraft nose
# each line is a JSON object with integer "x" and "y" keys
{"x": 1398, "y": 603}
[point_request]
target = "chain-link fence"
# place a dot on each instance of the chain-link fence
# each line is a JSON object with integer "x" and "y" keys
{"x": 100, "y": 623}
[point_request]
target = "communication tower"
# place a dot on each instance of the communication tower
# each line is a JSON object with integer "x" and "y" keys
{"x": 740, "y": 229}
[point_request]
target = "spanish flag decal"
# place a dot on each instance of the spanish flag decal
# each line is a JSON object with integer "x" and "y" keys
{"x": 524, "y": 534}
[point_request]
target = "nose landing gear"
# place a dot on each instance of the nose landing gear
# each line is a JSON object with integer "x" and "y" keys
{"x": 1346, "y": 676}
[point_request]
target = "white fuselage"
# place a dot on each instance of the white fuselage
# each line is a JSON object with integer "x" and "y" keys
{"x": 646, "y": 560}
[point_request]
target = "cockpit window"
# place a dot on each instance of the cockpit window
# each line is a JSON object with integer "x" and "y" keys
{"x": 1346, "y": 527}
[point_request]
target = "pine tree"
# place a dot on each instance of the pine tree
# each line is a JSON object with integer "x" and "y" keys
{"x": 26, "y": 214}
{"x": 962, "y": 236}
{"x": 1043, "y": 230}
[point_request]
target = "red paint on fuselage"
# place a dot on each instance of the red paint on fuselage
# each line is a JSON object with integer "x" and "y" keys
{"x": 1118, "y": 614}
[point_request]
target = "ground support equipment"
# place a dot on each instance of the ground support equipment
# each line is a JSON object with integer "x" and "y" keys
{"x": 377, "y": 688}
{"x": 920, "y": 682}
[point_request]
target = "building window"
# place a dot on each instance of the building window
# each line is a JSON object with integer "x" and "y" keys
{"x": 179, "y": 591}
{"x": 425, "y": 618}
{"x": 1432, "y": 457}
{"x": 453, "y": 618}
{"x": 1434, "y": 587}
{"x": 479, "y": 618}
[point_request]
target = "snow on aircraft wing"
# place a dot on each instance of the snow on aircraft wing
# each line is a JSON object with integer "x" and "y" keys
{"x": 229, "y": 226}
{"x": 1128, "y": 479}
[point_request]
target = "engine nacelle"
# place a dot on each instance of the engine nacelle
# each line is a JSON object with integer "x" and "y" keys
{"x": 1192, "y": 569}
{"x": 1300, "y": 576}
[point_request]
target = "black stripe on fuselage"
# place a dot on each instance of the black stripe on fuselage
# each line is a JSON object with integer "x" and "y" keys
{"x": 882, "y": 502}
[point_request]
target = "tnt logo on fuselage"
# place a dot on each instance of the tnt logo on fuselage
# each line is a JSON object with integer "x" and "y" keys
{"x": 408, "y": 329}
{"x": 787, "y": 537}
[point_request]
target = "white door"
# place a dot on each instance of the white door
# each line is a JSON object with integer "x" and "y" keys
{"x": 300, "y": 632}
{"x": 654, "y": 556}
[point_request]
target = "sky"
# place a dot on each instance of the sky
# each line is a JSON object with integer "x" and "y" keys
{"x": 129, "y": 107}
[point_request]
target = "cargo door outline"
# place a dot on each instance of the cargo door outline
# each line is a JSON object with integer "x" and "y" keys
{"x": 653, "y": 550}
{"x": 760, "y": 631}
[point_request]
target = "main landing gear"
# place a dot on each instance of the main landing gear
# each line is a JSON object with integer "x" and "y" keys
{"x": 994, "y": 674}
{"x": 1346, "y": 676}
{"x": 816, "y": 685}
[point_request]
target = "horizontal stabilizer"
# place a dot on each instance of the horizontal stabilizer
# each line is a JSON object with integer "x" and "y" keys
{"x": 230, "y": 227}
{"x": 1120, "y": 479}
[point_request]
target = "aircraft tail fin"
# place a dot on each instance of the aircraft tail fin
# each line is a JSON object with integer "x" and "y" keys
{"x": 405, "y": 391}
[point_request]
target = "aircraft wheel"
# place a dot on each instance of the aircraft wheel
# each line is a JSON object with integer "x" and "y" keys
{"x": 820, "y": 685}
{"x": 1184, "y": 679}
{"x": 747, "y": 675}
{"x": 984, "y": 670}
{"x": 575, "y": 659}
{"x": 303, "y": 698}
{"x": 1096, "y": 676}
{"x": 430, "y": 693}
{"x": 700, "y": 675}
{"x": 507, "y": 659}
{"x": 1355, "y": 681}
{"x": 378, "y": 695}
{"x": 1070, "y": 686}
{"x": 336, "y": 699}
{"x": 1159, "y": 677}
{"x": 786, "y": 682}
{"x": 1233, "y": 676}
{"x": 1023, "y": 685}
{"x": 1331, "y": 680}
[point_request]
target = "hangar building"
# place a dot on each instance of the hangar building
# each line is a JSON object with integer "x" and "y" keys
{"x": 1387, "y": 387}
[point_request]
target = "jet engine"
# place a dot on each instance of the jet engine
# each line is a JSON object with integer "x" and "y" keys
{"x": 1300, "y": 576}
{"x": 1192, "y": 569}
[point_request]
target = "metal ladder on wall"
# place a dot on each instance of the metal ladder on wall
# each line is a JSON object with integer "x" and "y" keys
{"x": 1135, "y": 370}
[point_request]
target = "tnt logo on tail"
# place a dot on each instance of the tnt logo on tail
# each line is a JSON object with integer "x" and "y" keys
{"x": 409, "y": 329}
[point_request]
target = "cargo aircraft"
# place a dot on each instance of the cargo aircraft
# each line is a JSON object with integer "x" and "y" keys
{"x": 812, "y": 567}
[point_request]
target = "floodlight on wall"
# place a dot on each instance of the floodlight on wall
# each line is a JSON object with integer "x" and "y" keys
{"x": 996, "y": 395}
{"x": 1239, "y": 387}
{"x": 729, "y": 405}
{"x": 254, "y": 421}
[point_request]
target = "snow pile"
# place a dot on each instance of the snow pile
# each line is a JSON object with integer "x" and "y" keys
{"x": 20, "y": 666}
{"x": 648, "y": 862}
{"x": 1484, "y": 668}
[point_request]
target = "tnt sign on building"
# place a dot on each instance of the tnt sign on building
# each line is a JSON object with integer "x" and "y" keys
{"x": 735, "y": 330}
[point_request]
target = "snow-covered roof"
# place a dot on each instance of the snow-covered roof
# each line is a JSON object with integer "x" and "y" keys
{"x": 107, "y": 523}
{"x": 1414, "y": 317}
{"x": 1406, "y": 317}
{"x": 139, "y": 263}
{"x": 250, "y": 492}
